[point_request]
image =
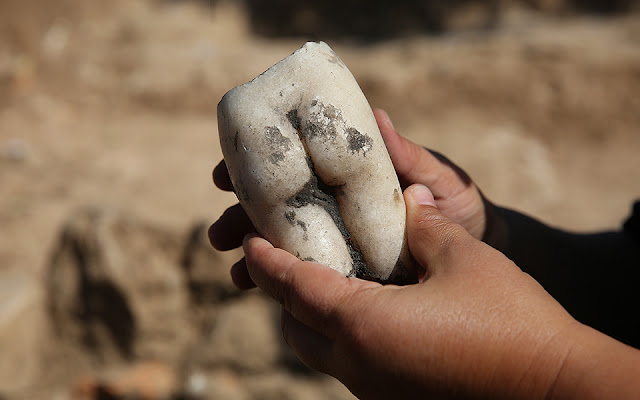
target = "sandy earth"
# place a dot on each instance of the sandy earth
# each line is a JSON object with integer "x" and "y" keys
{"x": 117, "y": 106}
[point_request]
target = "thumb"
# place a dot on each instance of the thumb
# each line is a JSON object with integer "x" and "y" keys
{"x": 435, "y": 241}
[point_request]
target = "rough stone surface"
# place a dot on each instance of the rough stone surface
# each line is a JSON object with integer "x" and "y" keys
{"x": 311, "y": 169}
{"x": 114, "y": 286}
{"x": 246, "y": 336}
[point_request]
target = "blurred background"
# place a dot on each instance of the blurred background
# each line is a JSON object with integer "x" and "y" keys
{"x": 108, "y": 135}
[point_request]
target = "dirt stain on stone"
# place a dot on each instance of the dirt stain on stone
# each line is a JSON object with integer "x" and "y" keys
{"x": 277, "y": 143}
{"x": 358, "y": 141}
{"x": 276, "y": 157}
{"x": 294, "y": 119}
{"x": 303, "y": 225}
{"x": 291, "y": 217}
{"x": 235, "y": 140}
{"x": 396, "y": 196}
{"x": 316, "y": 192}
{"x": 322, "y": 122}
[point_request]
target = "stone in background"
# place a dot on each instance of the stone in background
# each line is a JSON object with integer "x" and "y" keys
{"x": 154, "y": 315}
{"x": 114, "y": 289}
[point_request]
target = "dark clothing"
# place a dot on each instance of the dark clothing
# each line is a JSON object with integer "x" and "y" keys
{"x": 632, "y": 225}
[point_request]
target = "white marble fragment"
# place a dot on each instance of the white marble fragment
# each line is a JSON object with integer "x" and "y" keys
{"x": 310, "y": 168}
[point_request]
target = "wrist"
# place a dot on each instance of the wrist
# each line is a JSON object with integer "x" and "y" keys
{"x": 525, "y": 361}
{"x": 538, "y": 362}
{"x": 596, "y": 366}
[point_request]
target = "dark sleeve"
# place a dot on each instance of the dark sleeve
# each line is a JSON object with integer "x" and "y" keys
{"x": 632, "y": 225}
{"x": 595, "y": 276}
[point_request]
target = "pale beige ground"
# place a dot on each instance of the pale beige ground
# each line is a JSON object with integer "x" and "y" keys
{"x": 117, "y": 106}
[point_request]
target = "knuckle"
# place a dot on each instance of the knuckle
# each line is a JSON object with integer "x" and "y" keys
{"x": 286, "y": 295}
{"x": 432, "y": 225}
{"x": 436, "y": 233}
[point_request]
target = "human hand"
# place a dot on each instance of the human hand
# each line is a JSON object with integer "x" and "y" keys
{"x": 455, "y": 194}
{"x": 477, "y": 327}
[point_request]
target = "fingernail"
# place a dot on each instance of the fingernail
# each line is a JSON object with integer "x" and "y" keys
{"x": 422, "y": 195}
{"x": 389, "y": 119}
{"x": 248, "y": 237}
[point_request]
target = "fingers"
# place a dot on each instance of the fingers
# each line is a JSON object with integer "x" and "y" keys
{"x": 221, "y": 177}
{"x": 240, "y": 276}
{"x": 314, "y": 294}
{"x": 404, "y": 154}
{"x": 312, "y": 348}
{"x": 227, "y": 232}
{"x": 435, "y": 241}
{"x": 415, "y": 164}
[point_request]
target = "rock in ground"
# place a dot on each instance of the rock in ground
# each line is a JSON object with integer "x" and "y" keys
{"x": 114, "y": 287}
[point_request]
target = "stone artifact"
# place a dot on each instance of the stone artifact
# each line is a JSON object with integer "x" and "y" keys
{"x": 311, "y": 170}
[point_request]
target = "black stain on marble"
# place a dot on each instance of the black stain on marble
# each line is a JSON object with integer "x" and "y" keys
{"x": 242, "y": 192}
{"x": 357, "y": 141}
{"x": 277, "y": 143}
{"x": 235, "y": 140}
{"x": 294, "y": 119}
{"x": 322, "y": 122}
{"x": 315, "y": 192}
{"x": 276, "y": 139}
{"x": 276, "y": 157}
{"x": 303, "y": 225}
{"x": 291, "y": 219}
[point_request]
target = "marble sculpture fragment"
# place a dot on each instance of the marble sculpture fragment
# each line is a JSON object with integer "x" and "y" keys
{"x": 310, "y": 168}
